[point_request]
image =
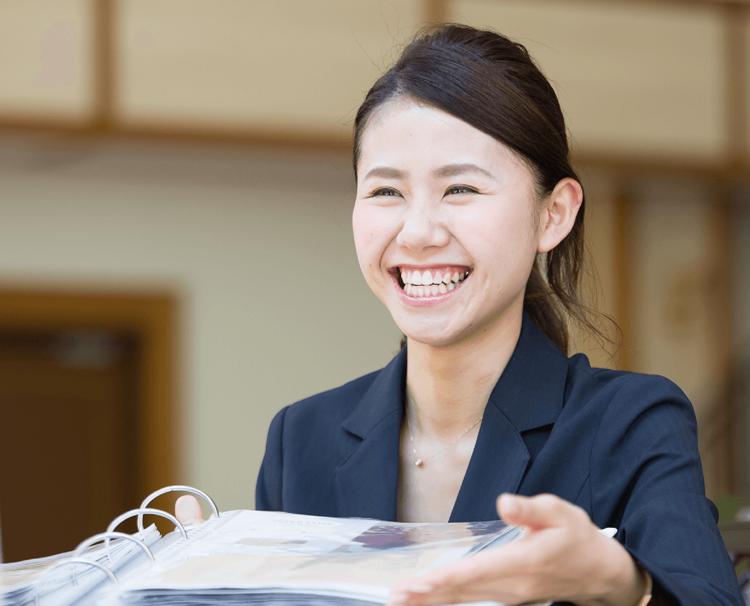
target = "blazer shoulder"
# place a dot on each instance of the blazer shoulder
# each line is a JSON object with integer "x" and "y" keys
{"x": 619, "y": 387}
{"x": 335, "y": 403}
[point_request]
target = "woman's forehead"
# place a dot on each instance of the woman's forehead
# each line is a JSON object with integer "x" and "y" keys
{"x": 410, "y": 136}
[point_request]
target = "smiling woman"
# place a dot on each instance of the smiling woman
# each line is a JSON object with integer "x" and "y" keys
{"x": 468, "y": 227}
{"x": 448, "y": 198}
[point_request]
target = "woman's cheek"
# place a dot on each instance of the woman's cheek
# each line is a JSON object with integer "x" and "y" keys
{"x": 364, "y": 243}
{"x": 373, "y": 230}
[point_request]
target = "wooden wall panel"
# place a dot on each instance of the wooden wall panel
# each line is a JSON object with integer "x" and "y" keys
{"x": 637, "y": 78}
{"x": 677, "y": 307}
{"x": 746, "y": 71}
{"x": 45, "y": 59}
{"x": 268, "y": 64}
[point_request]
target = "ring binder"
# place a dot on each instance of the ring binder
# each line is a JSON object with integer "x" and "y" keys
{"x": 143, "y": 511}
{"x": 111, "y": 535}
{"x": 67, "y": 562}
{"x": 177, "y": 488}
{"x": 246, "y": 556}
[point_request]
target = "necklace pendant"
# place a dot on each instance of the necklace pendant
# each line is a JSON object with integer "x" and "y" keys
{"x": 419, "y": 462}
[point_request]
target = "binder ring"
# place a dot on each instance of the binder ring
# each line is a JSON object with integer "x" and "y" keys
{"x": 142, "y": 511}
{"x": 111, "y": 535}
{"x": 177, "y": 488}
{"x": 110, "y": 575}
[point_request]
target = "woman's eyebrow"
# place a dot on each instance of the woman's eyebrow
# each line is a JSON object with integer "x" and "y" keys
{"x": 452, "y": 170}
{"x": 449, "y": 170}
{"x": 385, "y": 172}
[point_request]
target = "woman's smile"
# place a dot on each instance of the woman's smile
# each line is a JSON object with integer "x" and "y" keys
{"x": 421, "y": 285}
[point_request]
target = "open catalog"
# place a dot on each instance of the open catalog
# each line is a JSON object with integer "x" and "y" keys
{"x": 247, "y": 557}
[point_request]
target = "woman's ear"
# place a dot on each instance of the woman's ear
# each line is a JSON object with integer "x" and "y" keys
{"x": 558, "y": 213}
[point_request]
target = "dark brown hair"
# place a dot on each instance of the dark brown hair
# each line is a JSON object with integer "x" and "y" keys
{"x": 491, "y": 83}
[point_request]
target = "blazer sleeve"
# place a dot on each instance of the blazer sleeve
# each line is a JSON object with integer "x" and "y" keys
{"x": 646, "y": 453}
{"x": 268, "y": 488}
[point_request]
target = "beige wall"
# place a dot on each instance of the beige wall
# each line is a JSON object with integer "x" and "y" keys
{"x": 259, "y": 249}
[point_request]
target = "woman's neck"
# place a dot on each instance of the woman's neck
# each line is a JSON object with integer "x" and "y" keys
{"x": 449, "y": 386}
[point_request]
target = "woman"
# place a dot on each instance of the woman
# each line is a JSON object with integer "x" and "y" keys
{"x": 468, "y": 226}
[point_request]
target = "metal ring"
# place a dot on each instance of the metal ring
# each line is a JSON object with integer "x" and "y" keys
{"x": 177, "y": 488}
{"x": 102, "y": 567}
{"x": 147, "y": 510}
{"x": 105, "y": 536}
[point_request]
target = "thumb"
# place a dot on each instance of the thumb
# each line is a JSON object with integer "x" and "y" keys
{"x": 542, "y": 511}
{"x": 187, "y": 510}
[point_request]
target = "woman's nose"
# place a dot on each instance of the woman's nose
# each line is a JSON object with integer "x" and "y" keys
{"x": 422, "y": 228}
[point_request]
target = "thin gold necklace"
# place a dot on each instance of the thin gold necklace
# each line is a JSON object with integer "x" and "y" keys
{"x": 419, "y": 461}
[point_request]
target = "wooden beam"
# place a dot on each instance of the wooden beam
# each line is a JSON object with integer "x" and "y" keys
{"x": 624, "y": 298}
{"x": 736, "y": 88}
{"x": 623, "y": 163}
{"x": 104, "y": 63}
{"x": 435, "y": 11}
{"x": 675, "y": 3}
{"x": 722, "y": 266}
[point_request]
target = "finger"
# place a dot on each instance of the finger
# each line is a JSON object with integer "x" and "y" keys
{"x": 542, "y": 511}
{"x": 188, "y": 510}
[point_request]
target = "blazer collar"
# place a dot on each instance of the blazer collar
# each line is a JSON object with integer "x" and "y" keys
{"x": 530, "y": 392}
{"x": 528, "y": 395}
{"x": 383, "y": 399}
{"x": 366, "y": 479}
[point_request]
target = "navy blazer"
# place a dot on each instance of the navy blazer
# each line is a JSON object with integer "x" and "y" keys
{"x": 620, "y": 445}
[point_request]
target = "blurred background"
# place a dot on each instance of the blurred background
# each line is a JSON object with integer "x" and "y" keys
{"x": 176, "y": 261}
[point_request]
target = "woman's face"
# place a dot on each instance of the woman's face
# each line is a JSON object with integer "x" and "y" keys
{"x": 445, "y": 223}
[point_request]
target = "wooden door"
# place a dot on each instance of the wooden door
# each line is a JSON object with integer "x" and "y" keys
{"x": 68, "y": 426}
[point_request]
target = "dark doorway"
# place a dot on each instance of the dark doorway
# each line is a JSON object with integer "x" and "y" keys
{"x": 87, "y": 412}
{"x": 67, "y": 402}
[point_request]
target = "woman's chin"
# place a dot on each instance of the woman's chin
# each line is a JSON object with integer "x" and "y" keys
{"x": 430, "y": 338}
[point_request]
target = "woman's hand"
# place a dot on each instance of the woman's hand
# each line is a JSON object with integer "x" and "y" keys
{"x": 562, "y": 556}
{"x": 188, "y": 510}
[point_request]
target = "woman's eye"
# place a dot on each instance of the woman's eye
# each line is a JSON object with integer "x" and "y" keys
{"x": 460, "y": 189}
{"x": 384, "y": 192}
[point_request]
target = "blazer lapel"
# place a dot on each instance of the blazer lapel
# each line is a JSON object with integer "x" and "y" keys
{"x": 366, "y": 479}
{"x": 528, "y": 395}
{"x": 497, "y": 465}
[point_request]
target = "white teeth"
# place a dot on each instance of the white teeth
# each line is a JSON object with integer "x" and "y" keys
{"x": 430, "y": 283}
